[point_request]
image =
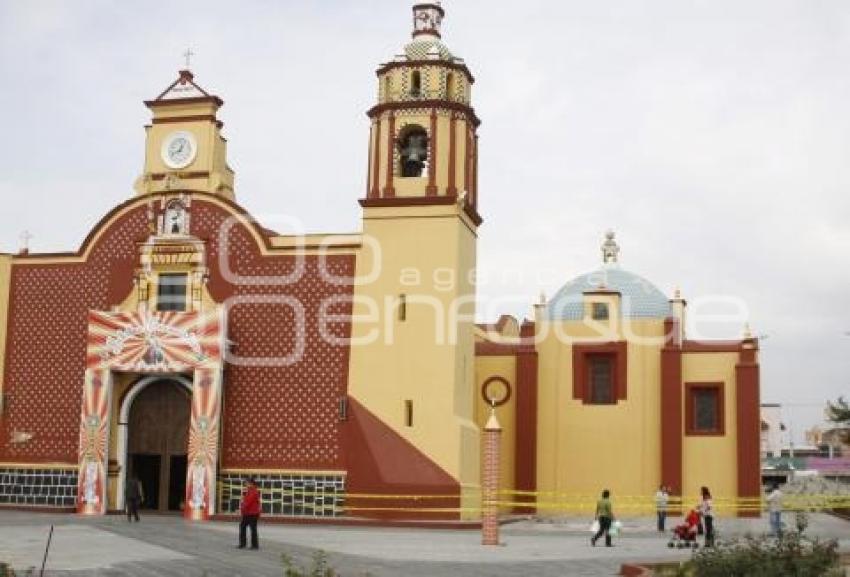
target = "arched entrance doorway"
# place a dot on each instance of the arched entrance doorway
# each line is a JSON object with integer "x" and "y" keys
{"x": 157, "y": 442}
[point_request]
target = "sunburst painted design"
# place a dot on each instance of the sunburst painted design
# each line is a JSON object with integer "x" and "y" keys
{"x": 158, "y": 342}
{"x": 93, "y": 443}
{"x": 154, "y": 342}
{"x": 203, "y": 443}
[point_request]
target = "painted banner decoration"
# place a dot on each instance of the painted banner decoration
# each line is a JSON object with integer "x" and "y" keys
{"x": 154, "y": 342}
{"x": 160, "y": 343}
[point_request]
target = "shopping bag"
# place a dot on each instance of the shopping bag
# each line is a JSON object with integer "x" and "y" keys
{"x": 616, "y": 527}
{"x": 594, "y": 527}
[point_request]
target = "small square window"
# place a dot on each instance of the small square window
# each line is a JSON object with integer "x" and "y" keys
{"x": 171, "y": 292}
{"x": 599, "y": 311}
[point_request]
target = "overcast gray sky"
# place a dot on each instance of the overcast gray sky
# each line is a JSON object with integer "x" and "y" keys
{"x": 713, "y": 136}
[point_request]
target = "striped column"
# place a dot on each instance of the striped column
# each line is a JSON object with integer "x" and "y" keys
{"x": 490, "y": 482}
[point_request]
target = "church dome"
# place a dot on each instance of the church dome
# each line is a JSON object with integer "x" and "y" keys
{"x": 639, "y": 298}
{"x": 428, "y": 48}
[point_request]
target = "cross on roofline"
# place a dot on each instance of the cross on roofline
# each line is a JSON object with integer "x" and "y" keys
{"x": 188, "y": 56}
{"x": 26, "y": 236}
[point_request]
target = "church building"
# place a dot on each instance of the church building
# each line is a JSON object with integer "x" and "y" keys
{"x": 187, "y": 345}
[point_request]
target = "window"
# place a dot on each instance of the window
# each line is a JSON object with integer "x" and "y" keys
{"x": 600, "y": 380}
{"x": 413, "y": 148}
{"x": 171, "y": 292}
{"x": 450, "y": 86}
{"x": 599, "y": 311}
{"x": 600, "y": 372}
{"x": 402, "y": 308}
{"x": 416, "y": 84}
{"x": 704, "y": 409}
{"x": 408, "y": 413}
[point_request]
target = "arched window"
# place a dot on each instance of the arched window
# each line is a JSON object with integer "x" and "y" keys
{"x": 387, "y": 86}
{"x": 450, "y": 86}
{"x": 416, "y": 84}
{"x": 413, "y": 148}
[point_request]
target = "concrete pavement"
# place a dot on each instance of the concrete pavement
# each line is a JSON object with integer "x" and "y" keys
{"x": 168, "y": 546}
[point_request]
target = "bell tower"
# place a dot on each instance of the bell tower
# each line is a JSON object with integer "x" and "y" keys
{"x": 423, "y": 141}
{"x": 413, "y": 367}
{"x": 184, "y": 147}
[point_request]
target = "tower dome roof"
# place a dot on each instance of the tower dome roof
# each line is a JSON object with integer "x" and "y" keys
{"x": 428, "y": 48}
{"x": 639, "y": 298}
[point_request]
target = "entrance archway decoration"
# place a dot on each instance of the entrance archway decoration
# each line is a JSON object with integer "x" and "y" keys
{"x": 153, "y": 343}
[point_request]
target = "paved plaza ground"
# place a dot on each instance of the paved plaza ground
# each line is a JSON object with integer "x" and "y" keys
{"x": 169, "y": 546}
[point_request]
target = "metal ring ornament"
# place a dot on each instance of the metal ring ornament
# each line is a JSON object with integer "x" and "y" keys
{"x": 487, "y": 392}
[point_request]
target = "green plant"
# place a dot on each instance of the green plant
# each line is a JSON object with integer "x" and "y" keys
{"x": 318, "y": 568}
{"x": 792, "y": 555}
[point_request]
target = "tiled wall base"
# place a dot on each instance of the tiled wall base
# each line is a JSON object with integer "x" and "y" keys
{"x": 38, "y": 487}
{"x": 286, "y": 495}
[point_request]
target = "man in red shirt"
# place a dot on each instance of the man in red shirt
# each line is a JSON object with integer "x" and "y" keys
{"x": 250, "y": 509}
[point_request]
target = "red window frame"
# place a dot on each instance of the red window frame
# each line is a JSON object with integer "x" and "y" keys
{"x": 582, "y": 353}
{"x": 690, "y": 409}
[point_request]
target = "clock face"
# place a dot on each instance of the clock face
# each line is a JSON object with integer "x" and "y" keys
{"x": 179, "y": 149}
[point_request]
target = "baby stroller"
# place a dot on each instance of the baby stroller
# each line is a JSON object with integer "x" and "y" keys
{"x": 685, "y": 535}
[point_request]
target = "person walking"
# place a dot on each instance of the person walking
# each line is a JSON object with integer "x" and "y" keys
{"x": 250, "y": 509}
{"x": 605, "y": 516}
{"x": 774, "y": 507}
{"x": 133, "y": 497}
{"x": 706, "y": 509}
{"x": 662, "y": 499}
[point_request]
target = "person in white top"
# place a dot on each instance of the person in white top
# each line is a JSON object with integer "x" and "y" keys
{"x": 706, "y": 509}
{"x": 774, "y": 507}
{"x": 662, "y": 498}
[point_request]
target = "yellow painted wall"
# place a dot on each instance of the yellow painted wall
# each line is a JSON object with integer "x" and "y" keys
{"x": 712, "y": 461}
{"x": 583, "y": 449}
{"x": 211, "y": 154}
{"x": 505, "y": 367}
{"x": 416, "y": 359}
{"x": 5, "y": 284}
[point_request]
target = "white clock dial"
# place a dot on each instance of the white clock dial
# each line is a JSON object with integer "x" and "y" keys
{"x": 179, "y": 150}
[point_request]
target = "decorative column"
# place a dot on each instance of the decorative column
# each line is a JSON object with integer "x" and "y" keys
{"x": 671, "y": 411}
{"x": 431, "y": 189}
{"x": 490, "y": 481}
{"x": 203, "y": 445}
{"x": 748, "y": 420}
{"x": 375, "y": 147}
{"x": 452, "y": 189}
{"x": 389, "y": 191}
{"x": 94, "y": 442}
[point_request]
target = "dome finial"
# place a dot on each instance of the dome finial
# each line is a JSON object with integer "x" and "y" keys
{"x": 427, "y": 18}
{"x": 610, "y": 248}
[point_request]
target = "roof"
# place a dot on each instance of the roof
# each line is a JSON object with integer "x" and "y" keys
{"x": 428, "y": 48}
{"x": 639, "y": 297}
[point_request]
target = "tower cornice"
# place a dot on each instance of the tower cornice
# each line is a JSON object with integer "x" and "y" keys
{"x": 379, "y": 109}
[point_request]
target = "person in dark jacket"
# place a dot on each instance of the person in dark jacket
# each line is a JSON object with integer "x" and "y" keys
{"x": 133, "y": 496}
{"x": 250, "y": 509}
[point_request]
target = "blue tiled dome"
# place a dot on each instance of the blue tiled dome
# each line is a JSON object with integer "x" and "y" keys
{"x": 640, "y": 298}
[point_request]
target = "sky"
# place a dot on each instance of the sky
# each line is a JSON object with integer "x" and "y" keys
{"x": 712, "y": 136}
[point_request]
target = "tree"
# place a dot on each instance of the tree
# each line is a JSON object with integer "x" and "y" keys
{"x": 839, "y": 413}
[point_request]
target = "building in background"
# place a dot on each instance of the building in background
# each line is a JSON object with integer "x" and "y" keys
{"x": 774, "y": 434}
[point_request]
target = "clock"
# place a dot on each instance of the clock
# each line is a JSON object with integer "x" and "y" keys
{"x": 179, "y": 149}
